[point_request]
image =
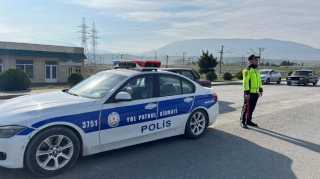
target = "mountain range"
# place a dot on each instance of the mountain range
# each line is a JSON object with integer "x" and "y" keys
{"x": 273, "y": 49}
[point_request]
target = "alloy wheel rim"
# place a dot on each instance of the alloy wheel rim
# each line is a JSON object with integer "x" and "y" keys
{"x": 54, "y": 152}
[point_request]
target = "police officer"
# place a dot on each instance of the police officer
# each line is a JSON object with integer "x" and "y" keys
{"x": 252, "y": 91}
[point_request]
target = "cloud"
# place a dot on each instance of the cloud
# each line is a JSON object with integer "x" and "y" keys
{"x": 145, "y": 16}
{"x": 39, "y": 8}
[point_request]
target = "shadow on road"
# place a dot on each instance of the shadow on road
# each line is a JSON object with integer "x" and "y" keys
{"x": 224, "y": 107}
{"x": 308, "y": 145}
{"x": 216, "y": 155}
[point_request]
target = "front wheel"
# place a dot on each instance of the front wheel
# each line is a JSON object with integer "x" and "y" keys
{"x": 315, "y": 83}
{"x": 305, "y": 83}
{"x": 196, "y": 124}
{"x": 268, "y": 81}
{"x": 52, "y": 151}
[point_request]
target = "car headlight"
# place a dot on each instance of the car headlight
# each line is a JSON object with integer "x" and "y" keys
{"x": 301, "y": 78}
{"x": 289, "y": 78}
{"x": 9, "y": 131}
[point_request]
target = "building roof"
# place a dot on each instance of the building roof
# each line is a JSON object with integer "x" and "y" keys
{"x": 33, "y": 53}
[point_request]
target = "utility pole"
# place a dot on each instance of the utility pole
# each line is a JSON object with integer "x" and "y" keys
{"x": 261, "y": 49}
{"x": 94, "y": 43}
{"x": 221, "y": 54}
{"x": 155, "y": 55}
{"x": 183, "y": 57}
{"x": 167, "y": 57}
{"x": 121, "y": 56}
{"x": 84, "y": 38}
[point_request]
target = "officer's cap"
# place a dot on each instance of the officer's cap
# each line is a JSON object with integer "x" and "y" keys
{"x": 251, "y": 57}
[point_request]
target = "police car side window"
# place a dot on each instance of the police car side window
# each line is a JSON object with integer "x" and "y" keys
{"x": 139, "y": 88}
{"x": 187, "y": 87}
{"x": 169, "y": 86}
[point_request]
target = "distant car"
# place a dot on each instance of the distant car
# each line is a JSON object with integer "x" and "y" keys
{"x": 270, "y": 75}
{"x": 303, "y": 77}
{"x": 191, "y": 74}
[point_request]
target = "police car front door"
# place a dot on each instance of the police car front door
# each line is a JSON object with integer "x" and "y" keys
{"x": 130, "y": 119}
{"x": 175, "y": 101}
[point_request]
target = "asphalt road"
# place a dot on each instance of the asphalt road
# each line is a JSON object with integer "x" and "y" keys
{"x": 286, "y": 144}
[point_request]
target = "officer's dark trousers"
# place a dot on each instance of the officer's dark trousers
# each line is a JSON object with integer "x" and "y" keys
{"x": 252, "y": 104}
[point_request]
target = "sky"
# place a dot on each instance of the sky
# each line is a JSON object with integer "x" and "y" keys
{"x": 136, "y": 26}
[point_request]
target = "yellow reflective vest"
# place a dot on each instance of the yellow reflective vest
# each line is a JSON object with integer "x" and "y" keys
{"x": 252, "y": 80}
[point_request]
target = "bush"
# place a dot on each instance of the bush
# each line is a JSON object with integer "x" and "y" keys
{"x": 290, "y": 72}
{"x": 227, "y": 76}
{"x": 211, "y": 76}
{"x": 14, "y": 79}
{"x": 239, "y": 75}
{"x": 75, "y": 78}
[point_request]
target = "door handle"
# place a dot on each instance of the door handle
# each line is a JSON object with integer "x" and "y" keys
{"x": 188, "y": 99}
{"x": 150, "y": 106}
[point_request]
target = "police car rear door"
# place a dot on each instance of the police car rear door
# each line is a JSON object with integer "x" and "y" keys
{"x": 176, "y": 96}
{"x": 127, "y": 119}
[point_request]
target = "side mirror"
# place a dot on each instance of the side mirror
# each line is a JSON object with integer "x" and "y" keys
{"x": 123, "y": 96}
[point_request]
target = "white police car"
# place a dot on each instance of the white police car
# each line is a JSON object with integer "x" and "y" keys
{"x": 131, "y": 104}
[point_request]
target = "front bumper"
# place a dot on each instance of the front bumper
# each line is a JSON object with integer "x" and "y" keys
{"x": 296, "y": 81}
{"x": 213, "y": 113}
{"x": 14, "y": 149}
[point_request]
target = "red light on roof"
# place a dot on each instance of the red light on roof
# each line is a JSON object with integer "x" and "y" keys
{"x": 148, "y": 63}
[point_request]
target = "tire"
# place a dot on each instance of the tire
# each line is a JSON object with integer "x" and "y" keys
{"x": 306, "y": 83}
{"x": 279, "y": 81}
{"x": 288, "y": 83}
{"x": 196, "y": 129}
{"x": 315, "y": 83}
{"x": 50, "y": 155}
{"x": 268, "y": 81}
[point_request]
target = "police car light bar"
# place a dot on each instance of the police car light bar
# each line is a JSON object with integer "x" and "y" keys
{"x": 137, "y": 64}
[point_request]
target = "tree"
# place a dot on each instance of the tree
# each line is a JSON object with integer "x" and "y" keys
{"x": 207, "y": 62}
{"x": 267, "y": 64}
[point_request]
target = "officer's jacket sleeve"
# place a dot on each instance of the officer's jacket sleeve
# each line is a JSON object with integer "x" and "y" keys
{"x": 260, "y": 83}
{"x": 246, "y": 80}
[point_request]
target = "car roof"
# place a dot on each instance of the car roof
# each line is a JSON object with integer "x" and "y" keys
{"x": 266, "y": 69}
{"x": 130, "y": 72}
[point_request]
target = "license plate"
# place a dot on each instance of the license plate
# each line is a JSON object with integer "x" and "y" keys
{"x": 294, "y": 81}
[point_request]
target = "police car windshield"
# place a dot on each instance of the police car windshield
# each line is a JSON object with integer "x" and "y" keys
{"x": 97, "y": 86}
{"x": 264, "y": 72}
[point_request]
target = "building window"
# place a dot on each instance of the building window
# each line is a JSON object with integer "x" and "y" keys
{"x": 26, "y": 65}
{"x": 70, "y": 70}
{"x": 78, "y": 69}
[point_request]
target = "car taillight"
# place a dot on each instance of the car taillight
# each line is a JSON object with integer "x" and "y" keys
{"x": 215, "y": 96}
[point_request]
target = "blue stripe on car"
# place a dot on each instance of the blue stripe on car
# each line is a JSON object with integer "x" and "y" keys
{"x": 89, "y": 122}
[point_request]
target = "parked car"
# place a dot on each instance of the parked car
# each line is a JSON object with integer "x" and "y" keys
{"x": 131, "y": 104}
{"x": 270, "y": 75}
{"x": 191, "y": 74}
{"x": 303, "y": 77}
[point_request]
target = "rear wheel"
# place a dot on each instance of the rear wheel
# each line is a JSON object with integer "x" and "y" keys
{"x": 196, "y": 124}
{"x": 288, "y": 83}
{"x": 279, "y": 81}
{"x": 52, "y": 151}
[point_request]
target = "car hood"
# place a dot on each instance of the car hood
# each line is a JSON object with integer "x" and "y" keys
{"x": 30, "y": 106}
